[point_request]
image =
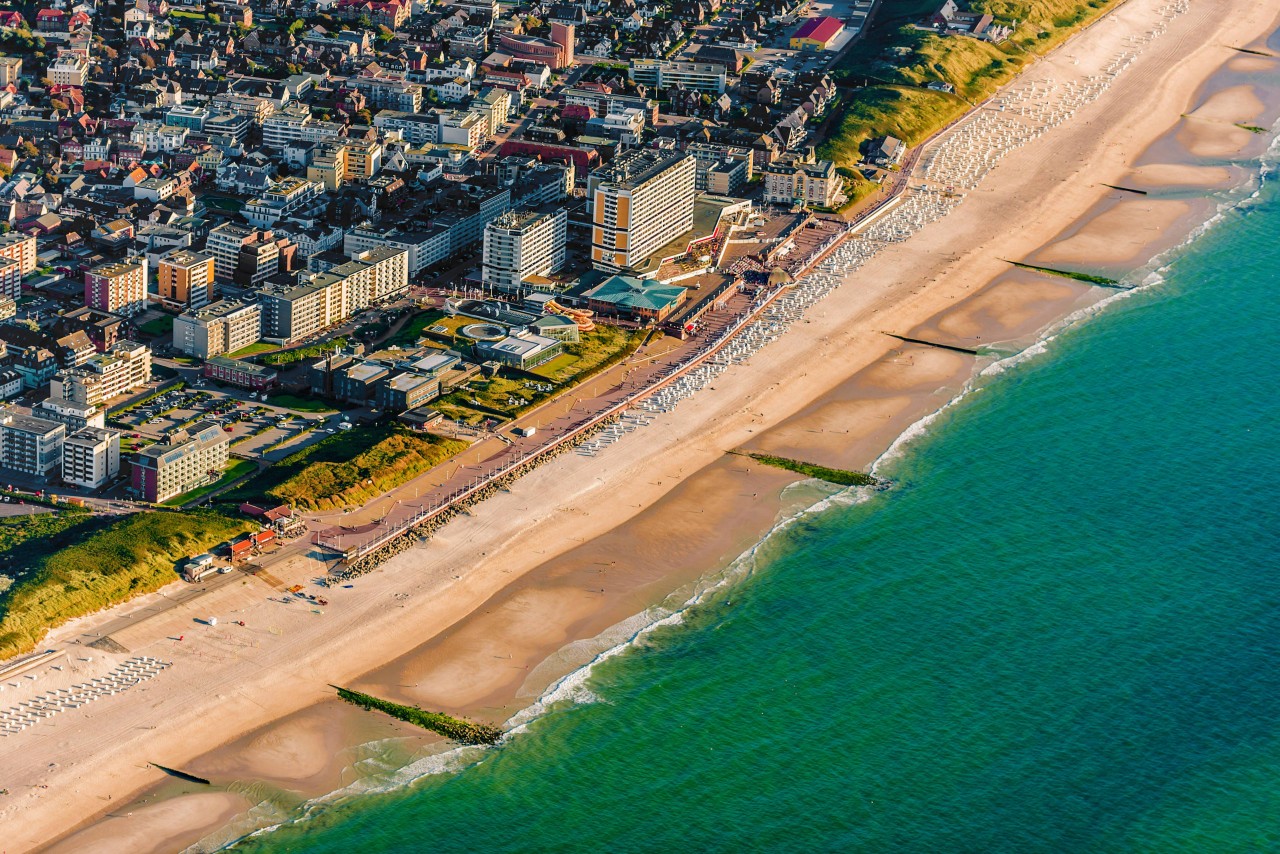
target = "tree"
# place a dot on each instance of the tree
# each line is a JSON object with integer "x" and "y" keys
{"x": 214, "y": 18}
{"x": 385, "y": 34}
{"x": 29, "y": 149}
{"x": 59, "y": 104}
{"x": 364, "y": 117}
{"x": 110, "y": 53}
{"x": 364, "y": 22}
{"x": 148, "y": 61}
{"x": 297, "y": 26}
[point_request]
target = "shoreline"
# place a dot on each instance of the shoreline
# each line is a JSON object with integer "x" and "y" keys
{"x": 705, "y": 447}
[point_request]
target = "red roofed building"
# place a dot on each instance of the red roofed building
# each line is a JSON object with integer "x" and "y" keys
{"x": 51, "y": 20}
{"x": 816, "y": 34}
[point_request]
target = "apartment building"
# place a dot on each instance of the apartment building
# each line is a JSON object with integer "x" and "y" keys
{"x": 292, "y": 311}
{"x": 328, "y": 166}
{"x": 221, "y": 327}
{"x": 241, "y": 254}
{"x": 74, "y": 416}
{"x": 187, "y": 460}
{"x": 639, "y": 203}
{"x": 291, "y": 198}
{"x": 288, "y": 125}
{"x": 716, "y": 167}
{"x": 423, "y": 248}
{"x": 364, "y": 159}
{"x": 10, "y": 279}
{"x": 463, "y": 127}
{"x": 186, "y": 278}
{"x": 662, "y": 74}
{"x": 389, "y": 93}
{"x": 105, "y": 376}
{"x": 414, "y": 128}
{"x": 256, "y": 110}
{"x": 19, "y": 247}
{"x": 30, "y": 445}
{"x": 10, "y": 70}
{"x": 69, "y": 70}
{"x": 520, "y": 244}
{"x": 119, "y": 288}
{"x": 189, "y": 116}
{"x": 91, "y": 457}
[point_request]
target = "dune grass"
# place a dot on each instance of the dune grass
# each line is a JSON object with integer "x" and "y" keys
{"x": 102, "y": 564}
{"x": 347, "y": 469}
{"x": 895, "y": 61}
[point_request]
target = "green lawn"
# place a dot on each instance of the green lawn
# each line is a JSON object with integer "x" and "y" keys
{"x": 237, "y": 469}
{"x": 300, "y": 404}
{"x": 416, "y": 328}
{"x": 100, "y": 566}
{"x": 603, "y": 346}
{"x": 252, "y": 350}
{"x": 157, "y": 327}
{"x": 311, "y": 351}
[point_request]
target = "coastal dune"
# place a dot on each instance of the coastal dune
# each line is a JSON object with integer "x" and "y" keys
{"x": 455, "y": 624}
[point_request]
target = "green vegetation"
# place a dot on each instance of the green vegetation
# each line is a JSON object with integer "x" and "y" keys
{"x": 311, "y": 351}
{"x": 233, "y": 472}
{"x": 409, "y": 334}
{"x": 894, "y": 62}
{"x": 838, "y": 476}
{"x": 157, "y": 327}
{"x": 95, "y": 566}
{"x": 252, "y": 350}
{"x": 300, "y": 404}
{"x": 467, "y": 732}
{"x": 348, "y": 468}
{"x": 1069, "y": 274}
{"x": 596, "y": 350}
{"x": 1250, "y": 128}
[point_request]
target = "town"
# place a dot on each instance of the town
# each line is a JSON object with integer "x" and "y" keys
{"x": 278, "y": 260}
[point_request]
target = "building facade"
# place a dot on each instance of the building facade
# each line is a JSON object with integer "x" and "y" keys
{"x": 91, "y": 457}
{"x": 31, "y": 445}
{"x": 218, "y": 328}
{"x": 119, "y": 288}
{"x": 639, "y": 203}
{"x": 520, "y": 244}
{"x": 189, "y": 459}
{"x": 186, "y": 279}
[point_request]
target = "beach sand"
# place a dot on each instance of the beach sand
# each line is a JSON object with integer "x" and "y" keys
{"x": 515, "y": 578}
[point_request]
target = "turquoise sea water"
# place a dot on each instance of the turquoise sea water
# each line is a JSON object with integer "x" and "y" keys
{"x": 1060, "y": 633}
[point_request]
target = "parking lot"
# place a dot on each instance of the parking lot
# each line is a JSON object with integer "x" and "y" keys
{"x": 256, "y": 429}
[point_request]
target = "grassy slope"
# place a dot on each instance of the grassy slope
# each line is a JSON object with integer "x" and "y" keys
{"x": 902, "y": 60}
{"x": 124, "y": 559}
{"x": 333, "y": 472}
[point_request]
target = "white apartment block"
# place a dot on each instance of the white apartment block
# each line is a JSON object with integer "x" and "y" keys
{"x": 520, "y": 244}
{"x": 69, "y": 70}
{"x": 708, "y": 77}
{"x": 30, "y": 445}
{"x": 126, "y": 366}
{"x": 291, "y": 198}
{"x": 91, "y": 457}
{"x": 218, "y": 328}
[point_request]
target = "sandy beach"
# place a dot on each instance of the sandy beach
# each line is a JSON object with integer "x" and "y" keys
{"x": 538, "y": 579}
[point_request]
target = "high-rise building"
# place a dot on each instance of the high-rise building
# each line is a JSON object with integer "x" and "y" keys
{"x": 119, "y": 288}
{"x": 639, "y": 203}
{"x": 91, "y": 457}
{"x": 21, "y": 248}
{"x": 186, "y": 278}
{"x": 241, "y": 254}
{"x": 30, "y": 445}
{"x": 10, "y": 278}
{"x": 520, "y": 244}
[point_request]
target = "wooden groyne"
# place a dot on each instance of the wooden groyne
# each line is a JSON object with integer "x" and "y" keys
{"x": 955, "y": 348}
{"x": 181, "y": 775}
{"x": 1087, "y": 278}
{"x": 1125, "y": 189}
{"x": 840, "y": 477}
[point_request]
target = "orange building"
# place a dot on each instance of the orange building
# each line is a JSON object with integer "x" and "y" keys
{"x": 186, "y": 278}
